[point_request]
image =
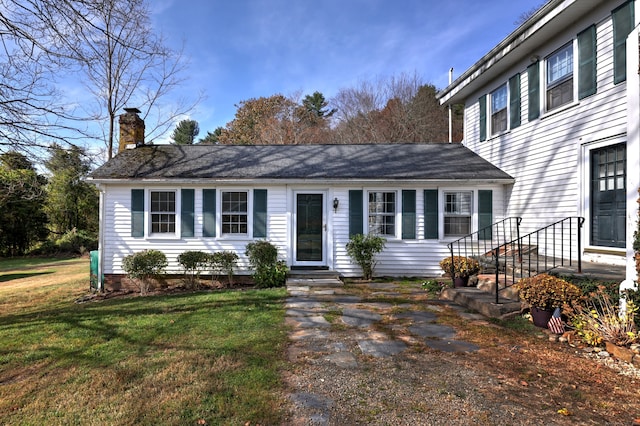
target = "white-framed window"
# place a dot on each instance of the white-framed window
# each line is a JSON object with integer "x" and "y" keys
{"x": 458, "y": 210}
{"x": 382, "y": 213}
{"x": 499, "y": 110}
{"x": 559, "y": 77}
{"x": 162, "y": 210}
{"x": 234, "y": 210}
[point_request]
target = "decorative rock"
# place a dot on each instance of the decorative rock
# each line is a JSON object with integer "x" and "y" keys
{"x": 553, "y": 338}
{"x": 604, "y": 354}
{"x": 620, "y": 352}
{"x": 636, "y": 361}
{"x": 562, "y": 339}
{"x": 635, "y": 348}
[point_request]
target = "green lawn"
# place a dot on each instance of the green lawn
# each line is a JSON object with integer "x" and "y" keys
{"x": 177, "y": 359}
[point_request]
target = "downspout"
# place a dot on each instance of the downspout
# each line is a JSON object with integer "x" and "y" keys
{"x": 450, "y": 117}
{"x": 101, "y": 238}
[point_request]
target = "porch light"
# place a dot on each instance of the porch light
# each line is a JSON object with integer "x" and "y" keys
{"x": 335, "y": 204}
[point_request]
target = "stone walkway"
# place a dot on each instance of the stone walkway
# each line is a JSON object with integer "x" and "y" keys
{"x": 329, "y": 325}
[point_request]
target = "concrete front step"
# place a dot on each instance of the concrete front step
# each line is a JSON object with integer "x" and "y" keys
{"x": 487, "y": 283}
{"x": 328, "y": 282}
{"x": 313, "y": 274}
{"x": 482, "y": 302}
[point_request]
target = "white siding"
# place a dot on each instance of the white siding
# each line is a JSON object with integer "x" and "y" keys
{"x": 417, "y": 257}
{"x": 549, "y": 156}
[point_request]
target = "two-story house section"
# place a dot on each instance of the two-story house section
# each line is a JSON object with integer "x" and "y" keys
{"x": 555, "y": 105}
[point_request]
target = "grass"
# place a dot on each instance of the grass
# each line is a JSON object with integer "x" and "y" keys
{"x": 208, "y": 357}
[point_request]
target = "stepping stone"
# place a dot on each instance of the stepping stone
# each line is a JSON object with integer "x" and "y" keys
{"x": 311, "y": 401}
{"x": 418, "y": 316}
{"x": 381, "y": 349}
{"x": 312, "y": 321}
{"x": 380, "y": 305}
{"x": 343, "y": 300}
{"x": 359, "y": 317}
{"x": 452, "y": 346}
{"x": 302, "y": 303}
{"x": 304, "y": 312}
{"x": 324, "y": 292}
{"x": 472, "y": 316}
{"x": 433, "y": 330}
{"x": 310, "y": 334}
{"x": 343, "y": 359}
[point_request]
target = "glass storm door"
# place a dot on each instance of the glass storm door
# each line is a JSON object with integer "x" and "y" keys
{"x": 608, "y": 196}
{"x": 309, "y": 228}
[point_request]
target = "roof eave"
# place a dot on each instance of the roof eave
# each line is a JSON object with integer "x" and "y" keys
{"x": 510, "y": 50}
{"x": 306, "y": 181}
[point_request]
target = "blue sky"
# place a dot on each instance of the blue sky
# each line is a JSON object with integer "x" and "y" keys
{"x": 244, "y": 49}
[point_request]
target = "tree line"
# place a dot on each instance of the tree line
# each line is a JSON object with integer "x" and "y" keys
{"x": 47, "y": 214}
{"x": 399, "y": 109}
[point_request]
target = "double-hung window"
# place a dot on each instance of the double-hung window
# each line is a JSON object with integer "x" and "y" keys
{"x": 499, "y": 110}
{"x": 382, "y": 213}
{"x": 163, "y": 212}
{"x": 234, "y": 212}
{"x": 560, "y": 77}
{"x": 457, "y": 213}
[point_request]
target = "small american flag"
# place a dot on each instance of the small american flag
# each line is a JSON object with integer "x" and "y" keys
{"x": 555, "y": 323}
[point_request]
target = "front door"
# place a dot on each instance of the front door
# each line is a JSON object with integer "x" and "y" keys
{"x": 608, "y": 196}
{"x": 309, "y": 229}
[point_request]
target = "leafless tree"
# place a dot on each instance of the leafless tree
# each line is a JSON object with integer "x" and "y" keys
{"x": 108, "y": 42}
{"x": 397, "y": 109}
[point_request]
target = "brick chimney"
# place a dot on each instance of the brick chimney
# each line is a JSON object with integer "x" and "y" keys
{"x": 131, "y": 129}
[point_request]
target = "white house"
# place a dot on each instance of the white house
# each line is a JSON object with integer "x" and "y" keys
{"x": 555, "y": 105}
{"x": 305, "y": 199}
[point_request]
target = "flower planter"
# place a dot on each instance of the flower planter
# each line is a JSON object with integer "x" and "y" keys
{"x": 460, "y": 282}
{"x": 541, "y": 317}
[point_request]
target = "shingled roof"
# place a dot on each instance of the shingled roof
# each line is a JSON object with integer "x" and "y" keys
{"x": 397, "y": 162}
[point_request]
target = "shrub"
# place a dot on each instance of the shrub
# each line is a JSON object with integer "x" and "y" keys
{"x": 268, "y": 271}
{"x": 143, "y": 266}
{"x": 433, "y": 286}
{"x": 223, "y": 262}
{"x": 460, "y": 265}
{"x": 261, "y": 253}
{"x": 362, "y": 249}
{"x": 274, "y": 275}
{"x": 193, "y": 262}
{"x": 545, "y": 291}
{"x": 599, "y": 320}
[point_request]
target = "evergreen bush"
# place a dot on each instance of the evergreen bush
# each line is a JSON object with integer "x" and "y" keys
{"x": 362, "y": 249}
{"x": 143, "y": 266}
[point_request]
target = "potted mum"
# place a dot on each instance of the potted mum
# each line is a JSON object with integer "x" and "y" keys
{"x": 543, "y": 293}
{"x": 460, "y": 268}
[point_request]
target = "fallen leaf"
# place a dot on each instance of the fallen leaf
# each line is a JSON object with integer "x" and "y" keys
{"x": 523, "y": 383}
{"x": 564, "y": 412}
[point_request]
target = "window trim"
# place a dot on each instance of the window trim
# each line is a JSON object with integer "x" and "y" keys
{"x": 561, "y": 81}
{"x": 472, "y": 214}
{"x": 149, "y": 214}
{"x": 502, "y": 111}
{"x": 395, "y": 215}
{"x": 220, "y": 214}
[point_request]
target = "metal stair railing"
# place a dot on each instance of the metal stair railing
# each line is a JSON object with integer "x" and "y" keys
{"x": 482, "y": 243}
{"x": 550, "y": 247}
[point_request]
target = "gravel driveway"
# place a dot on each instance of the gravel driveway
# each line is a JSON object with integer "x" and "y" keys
{"x": 387, "y": 354}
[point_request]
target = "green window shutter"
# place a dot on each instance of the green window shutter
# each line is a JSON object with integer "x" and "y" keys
{"x": 587, "y": 62}
{"x": 485, "y": 213}
{"x": 187, "y": 198}
{"x": 355, "y": 212}
{"x": 514, "y": 101}
{"x": 431, "y": 214}
{"x": 482, "y": 104}
{"x": 208, "y": 212}
{"x": 259, "y": 213}
{"x": 137, "y": 212}
{"x": 622, "y": 25}
{"x": 408, "y": 214}
{"x": 533, "y": 74}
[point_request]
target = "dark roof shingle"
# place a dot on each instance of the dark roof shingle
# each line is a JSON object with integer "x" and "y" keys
{"x": 435, "y": 161}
